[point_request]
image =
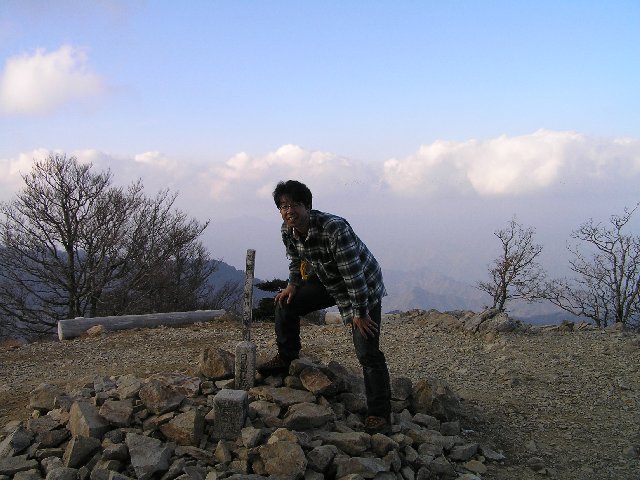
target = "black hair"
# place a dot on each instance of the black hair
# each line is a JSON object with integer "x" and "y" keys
{"x": 298, "y": 192}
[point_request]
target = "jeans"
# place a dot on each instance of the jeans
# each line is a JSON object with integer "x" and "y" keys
{"x": 311, "y": 296}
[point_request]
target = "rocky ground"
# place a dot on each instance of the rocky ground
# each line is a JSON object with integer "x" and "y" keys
{"x": 563, "y": 405}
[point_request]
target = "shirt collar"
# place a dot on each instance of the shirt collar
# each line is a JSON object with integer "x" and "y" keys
{"x": 313, "y": 229}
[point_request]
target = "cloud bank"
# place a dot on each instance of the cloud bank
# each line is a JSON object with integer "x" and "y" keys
{"x": 43, "y": 82}
{"x": 512, "y": 165}
{"x": 244, "y": 174}
{"x": 539, "y": 163}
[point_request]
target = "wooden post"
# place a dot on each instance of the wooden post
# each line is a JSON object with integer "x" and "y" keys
{"x": 248, "y": 295}
{"x": 245, "y": 363}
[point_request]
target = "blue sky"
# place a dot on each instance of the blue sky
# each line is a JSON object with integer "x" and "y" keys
{"x": 427, "y": 124}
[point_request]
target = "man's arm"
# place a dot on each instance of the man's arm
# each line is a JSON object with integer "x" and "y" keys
{"x": 295, "y": 278}
{"x": 347, "y": 250}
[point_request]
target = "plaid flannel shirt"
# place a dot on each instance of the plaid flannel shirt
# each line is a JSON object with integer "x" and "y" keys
{"x": 340, "y": 260}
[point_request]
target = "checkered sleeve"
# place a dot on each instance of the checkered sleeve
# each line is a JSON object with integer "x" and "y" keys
{"x": 348, "y": 253}
{"x": 295, "y": 278}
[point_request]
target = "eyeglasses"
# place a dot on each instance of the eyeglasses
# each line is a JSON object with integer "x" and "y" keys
{"x": 290, "y": 206}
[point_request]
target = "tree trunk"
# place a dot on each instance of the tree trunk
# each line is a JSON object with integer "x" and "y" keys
{"x": 74, "y": 327}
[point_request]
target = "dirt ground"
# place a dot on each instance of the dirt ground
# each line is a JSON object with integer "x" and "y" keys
{"x": 566, "y": 405}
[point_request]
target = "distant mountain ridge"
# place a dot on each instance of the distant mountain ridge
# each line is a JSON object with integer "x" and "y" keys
{"x": 424, "y": 289}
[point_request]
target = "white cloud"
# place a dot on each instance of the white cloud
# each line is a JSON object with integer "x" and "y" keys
{"x": 42, "y": 82}
{"x": 156, "y": 170}
{"x": 158, "y": 160}
{"x": 14, "y": 168}
{"x": 512, "y": 165}
{"x": 244, "y": 174}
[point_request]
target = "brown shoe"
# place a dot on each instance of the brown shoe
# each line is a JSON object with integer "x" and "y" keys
{"x": 276, "y": 365}
{"x": 373, "y": 424}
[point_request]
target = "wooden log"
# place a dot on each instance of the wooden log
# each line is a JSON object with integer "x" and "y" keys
{"x": 74, "y": 327}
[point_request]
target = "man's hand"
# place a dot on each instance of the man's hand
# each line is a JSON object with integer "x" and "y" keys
{"x": 365, "y": 326}
{"x": 286, "y": 294}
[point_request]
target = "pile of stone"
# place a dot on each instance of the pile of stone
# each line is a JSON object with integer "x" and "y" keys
{"x": 307, "y": 424}
{"x": 490, "y": 320}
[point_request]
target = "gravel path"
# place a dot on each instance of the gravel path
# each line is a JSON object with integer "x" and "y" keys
{"x": 568, "y": 403}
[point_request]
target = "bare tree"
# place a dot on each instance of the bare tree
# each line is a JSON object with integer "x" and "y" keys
{"x": 515, "y": 273}
{"x": 73, "y": 245}
{"x": 607, "y": 267}
{"x": 165, "y": 268}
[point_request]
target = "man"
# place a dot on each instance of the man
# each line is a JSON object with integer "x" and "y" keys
{"x": 330, "y": 265}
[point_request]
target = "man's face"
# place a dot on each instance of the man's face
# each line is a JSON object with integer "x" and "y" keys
{"x": 295, "y": 214}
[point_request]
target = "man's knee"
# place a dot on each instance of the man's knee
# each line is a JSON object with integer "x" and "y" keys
{"x": 371, "y": 358}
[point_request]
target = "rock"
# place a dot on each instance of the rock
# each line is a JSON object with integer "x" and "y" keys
{"x": 96, "y": 330}
{"x": 84, "y": 420}
{"x": 160, "y": 398}
{"x": 472, "y": 323}
{"x": 354, "y": 402}
{"x": 149, "y": 456}
{"x": 351, "y": 443}
{"x": 352, "y": 382}
{"x": 79, "y": 449}
{"x": 251, "y": 436}
{"x": 262, "y": 408}
{"x": 62, "y": 473}
{"x": 16, "y": 442}
{"x": 366, "y": 467}
{"x": 284, "y": 459}
{"x": 178, "y": 382}
{"x": 435, "y": 397}
{"x": 450, "y": 428}
{"x": 317, "y": 382}
{"x": 216, "y": 363}
{"x": 381, "y": 444}
{"x": 498, "y": 323}
{"x": 28, "y": 475}
{"x": 42, "y": 424}
{"x": 52, "y": 438}
{"x": 427, "y": 421}
{"x": 200, "y": 455}
{"x": 475, "y": 466}
{"x": 116, "y": 451}
{"x": 631, "y": 451}
{"x": 284, "y": 396}
{"x": 185, "y": 429}
{"x": 222, "y": 452}
{"x": 117, "y": 412}
{"x": 43, "y": 397}
{"x": 128, "y": 386}
{"x": 20, "y": 463}
{"x": 401, "y": 388}
{"x": 443, "y": 467}
{"x": 321, "y": 457}
{"x": 306, "y": 415}
{"x": 462, "y": 453}
{"x": 536, "y": 464}
{"x": 565, "y": 326}
{"x": 491, "y": 454}
{"x": 444, "y": 321}
{"x": 615, "y": 327}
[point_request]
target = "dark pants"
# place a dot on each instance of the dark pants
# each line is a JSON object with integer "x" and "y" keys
{"x": 311, "y": 296}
